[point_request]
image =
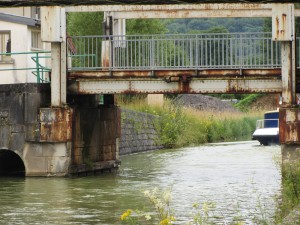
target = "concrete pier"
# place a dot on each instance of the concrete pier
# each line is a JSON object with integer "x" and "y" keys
{"x": 39, "y": 140}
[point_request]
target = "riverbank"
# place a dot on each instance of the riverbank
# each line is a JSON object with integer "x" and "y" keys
{"x": 178, "y": 126}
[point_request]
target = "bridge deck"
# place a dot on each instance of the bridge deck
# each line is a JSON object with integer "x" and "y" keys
{"x": 200, "y": 63}
{"x": 176, "y": 81}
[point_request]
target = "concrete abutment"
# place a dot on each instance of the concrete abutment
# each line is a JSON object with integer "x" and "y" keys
{"x": 79, "y": 137}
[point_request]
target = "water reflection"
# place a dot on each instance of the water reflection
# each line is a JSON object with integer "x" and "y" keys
{"x": 233, "y": 175}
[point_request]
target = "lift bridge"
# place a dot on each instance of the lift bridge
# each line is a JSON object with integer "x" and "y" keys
{"x": 64, "y": 130}
{"x": 200, "y": 63}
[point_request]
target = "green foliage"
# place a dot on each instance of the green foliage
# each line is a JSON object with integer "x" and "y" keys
{"x": 290, "y": 186}
{"x": 243, "y": 105}
{"x": 214, "y": 129}
{"x": 232, "y": 25}
{"x": 179, "y": 127}
{"x": 163, "y": 214}
{"x": 145, "y": 26}
{"x": 202, "y": 216}
{"x": 170, "y": 125}
{"x": 84, "y": 23}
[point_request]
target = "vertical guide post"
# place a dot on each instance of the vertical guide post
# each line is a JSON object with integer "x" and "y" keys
{"x": 283, "y": 30}
{"x": 55, "y": 74}
{"x": 63, "y": 58}
{"x": 288, "y": 71}
{"x": 53, "y": 26}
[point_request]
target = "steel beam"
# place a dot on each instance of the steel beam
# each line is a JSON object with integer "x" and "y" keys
{"x": 173, "y": 73}
{"x": 123, "y": 86}
{"x": 18, "y": 3}
{"x": 206, "y": 10}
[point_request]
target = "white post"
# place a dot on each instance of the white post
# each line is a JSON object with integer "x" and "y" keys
{"x": 55, "y": 74}
{"x": 283, "y": 30}
{"x": 63, "y": 58}
{"x": 53, "y": 26}
{"x": 288, "y": 72}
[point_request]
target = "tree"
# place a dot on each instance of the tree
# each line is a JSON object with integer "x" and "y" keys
{"x": 145, "y": 26}
{"x": 84, "y": 23}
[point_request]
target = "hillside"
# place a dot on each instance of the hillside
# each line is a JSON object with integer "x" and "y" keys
{"x": 208, "y": 103}
{"x": 204, "y": 103}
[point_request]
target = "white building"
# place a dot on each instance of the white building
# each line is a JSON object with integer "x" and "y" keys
{"x": 20, "y": 35}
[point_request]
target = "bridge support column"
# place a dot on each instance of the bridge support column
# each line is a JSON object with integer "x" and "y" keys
{"x": 96, "y": 134}
{"x": 283, "y": 29}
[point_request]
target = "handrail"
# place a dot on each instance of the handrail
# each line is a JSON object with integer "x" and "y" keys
{"x": 39, "y": 70}
{"x": 265, "y": 123}
{"x": 175, "y": 51}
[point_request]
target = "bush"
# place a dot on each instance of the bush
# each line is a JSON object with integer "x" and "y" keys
{"x": 178, "y": 126}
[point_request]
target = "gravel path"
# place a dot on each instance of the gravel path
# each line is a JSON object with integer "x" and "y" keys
{"x": 204, "y": 103}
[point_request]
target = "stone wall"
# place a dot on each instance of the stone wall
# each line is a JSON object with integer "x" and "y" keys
{"x": 138, "y": 132}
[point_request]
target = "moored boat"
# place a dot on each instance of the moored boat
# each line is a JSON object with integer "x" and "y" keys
{"x": 267, "y": 130}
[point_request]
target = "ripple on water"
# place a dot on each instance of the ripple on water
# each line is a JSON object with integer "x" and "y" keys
{"x": 235, "y": 176}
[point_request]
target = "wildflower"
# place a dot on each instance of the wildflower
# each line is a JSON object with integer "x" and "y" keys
{"x": 167, "y": 197}
{"x": 126, "y": 214}
{"x": 165, "y": 222}
{"x": 146, "y": 193}
{"x": 205, "y": 207}
{"x": 147, "y": 217}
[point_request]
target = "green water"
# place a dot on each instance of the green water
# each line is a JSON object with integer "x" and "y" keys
{"x": 235, "y": 176}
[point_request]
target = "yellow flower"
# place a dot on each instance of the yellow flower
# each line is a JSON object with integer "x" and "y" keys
{"x": 165, "y": 222}
{"x": 126, "y": 214}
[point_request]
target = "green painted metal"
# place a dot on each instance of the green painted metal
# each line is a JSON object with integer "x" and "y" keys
{"x": 39, "y": 70}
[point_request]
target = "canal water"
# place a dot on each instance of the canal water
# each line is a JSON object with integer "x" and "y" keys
{"x": 241, "y": 179}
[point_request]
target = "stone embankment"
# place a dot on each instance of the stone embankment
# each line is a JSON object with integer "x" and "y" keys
{"x": 138, "y": 132}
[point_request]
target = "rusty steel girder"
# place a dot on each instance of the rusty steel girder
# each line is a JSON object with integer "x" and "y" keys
{"x": 182, "y": 85}
{"x": 18, "y": 3}
{"x": 210, "y": 73}
{"x": 289, "y": 125}
{"x": 55, "y": 124}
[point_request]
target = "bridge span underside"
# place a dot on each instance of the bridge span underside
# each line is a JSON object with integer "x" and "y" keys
{"x": 176, "y": 81}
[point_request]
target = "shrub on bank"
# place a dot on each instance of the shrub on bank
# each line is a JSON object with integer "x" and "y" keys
{"x": 178, "y": 126}
{"x": 289, "y": 206}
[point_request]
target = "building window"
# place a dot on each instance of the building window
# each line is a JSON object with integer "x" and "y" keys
{"x": 36, "y": 41}
{"x": 5, "y": 44}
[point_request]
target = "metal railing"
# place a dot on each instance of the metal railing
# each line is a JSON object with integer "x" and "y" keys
{"x": 267, "y": 123}
{"x": 144, "y": 52}
{"x": 38, "y": 70}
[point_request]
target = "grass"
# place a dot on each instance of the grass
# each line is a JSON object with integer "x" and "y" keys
{"x": 243, "y": 105}
{"x": 178, "y": 126}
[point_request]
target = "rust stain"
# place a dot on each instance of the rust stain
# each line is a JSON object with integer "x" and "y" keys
{"x": 184, "y": 84}
{"x": 289, "y": 130}
{"x": 284, "y": 20}
{"x": 56, "y": 124}
{"x": 209, "y": 73}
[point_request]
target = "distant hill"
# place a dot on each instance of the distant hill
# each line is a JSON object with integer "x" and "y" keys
{"x": 232, "y": 25}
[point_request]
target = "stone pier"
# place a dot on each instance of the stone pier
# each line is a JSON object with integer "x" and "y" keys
{"x": 39, "y": 140}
